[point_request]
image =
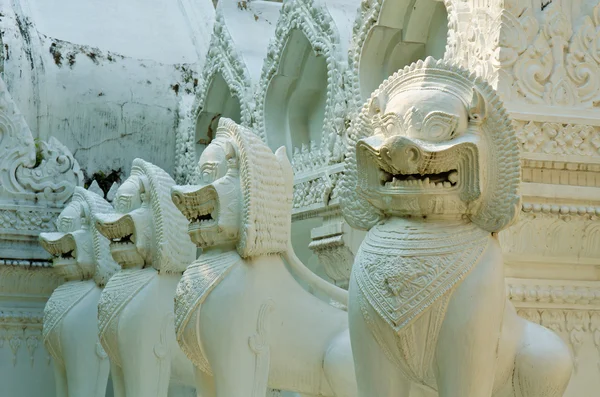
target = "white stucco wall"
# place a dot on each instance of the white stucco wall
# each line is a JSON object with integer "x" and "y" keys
{"x": 105, "y": 77}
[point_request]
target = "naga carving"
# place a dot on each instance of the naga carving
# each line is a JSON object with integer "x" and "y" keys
{"x": 148, "y": 238}
{"x": 239, "y": 312}
{"x": 81, "y": 255}
{"x": 432, "y": 172}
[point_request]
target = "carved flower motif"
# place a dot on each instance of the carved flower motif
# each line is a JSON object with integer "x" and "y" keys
{"x": 596, "y": 140}
{"x": 7, "y": 219}
{"x": 569, "y": 140}
{"x": 531, "y": 137}
{"x": 30, "y": 220}
{"x": 551, "y": 132}
{"x": 586, "y": 133}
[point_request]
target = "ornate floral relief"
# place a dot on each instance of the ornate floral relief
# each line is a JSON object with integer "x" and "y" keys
{"x": 554, "y": 230}
{"x": 557, "y": 59}
{"x": 558, "y": 138}
{"x": 336, "y": 257}
{"x": 21, "y": 329}
{"x": 24, "y": 279}
{"x": 318, "y": 191}
{"x": 474, "y": 47}
{"x": 45, "y": 171}
{"x": 39, "y": 221}
{"x": 222, "y": 58}
{"x": 574, "y": 326}
{"x": 523, "y": 294}
{"x": 314, "y": 21}
{"x": 595, "y": 330}
{"x": 577, "y": 325}
{"x": 311, "y": 157}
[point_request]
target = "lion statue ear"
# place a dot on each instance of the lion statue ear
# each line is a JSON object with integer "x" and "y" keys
{"x": 287, "y": 173}
{"x": 477, "y": 108}
{"x": 231, "y": 154}
{"x": 95, "y": 188}
{"x": 112, "y": 192}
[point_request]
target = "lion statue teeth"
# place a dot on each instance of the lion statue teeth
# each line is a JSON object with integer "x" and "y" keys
{"x": 432, "y": 172}
{"x": 80, "y": 254}
{"x": 148, "y": 238}
{"x": 239, "y": 313}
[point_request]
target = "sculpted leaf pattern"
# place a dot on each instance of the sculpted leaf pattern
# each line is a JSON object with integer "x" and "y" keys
{"x": 403, "y": 271}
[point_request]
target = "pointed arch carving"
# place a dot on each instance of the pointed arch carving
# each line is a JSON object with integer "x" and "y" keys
{"x": 225, "y": 90}
{"x": 305, "y": 30}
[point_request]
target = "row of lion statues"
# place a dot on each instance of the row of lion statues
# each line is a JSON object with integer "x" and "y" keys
{"x": 199, "y": 285}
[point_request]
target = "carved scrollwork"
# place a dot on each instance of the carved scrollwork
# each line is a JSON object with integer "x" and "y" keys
{"x": 20, "y": 328}
{"x": 222, "y": 58}
{"x": 317, "y": 191}
{"x": 555, "y": 231}
{"x": 560, "y": 65}
{"x": 42, "y": 171}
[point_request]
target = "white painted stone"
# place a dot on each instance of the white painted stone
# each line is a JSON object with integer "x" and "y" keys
{"x": 539, "y": 55}
{"x": 36, "y": 179}
{"x": 229, "y": 78}
{"x": 238, "y": 310}
{"x": 432, "y": 171}
{"x": 135, "y": 313}
{"x": 81, "y": 255}
{"x": 105, "y": 78}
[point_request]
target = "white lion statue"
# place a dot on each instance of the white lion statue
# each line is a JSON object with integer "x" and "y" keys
{"x": 149, "y": 240}
{"x": 241, "y": 317}
{"x": 81, "y": 255}
{"x": 432, "y": 172}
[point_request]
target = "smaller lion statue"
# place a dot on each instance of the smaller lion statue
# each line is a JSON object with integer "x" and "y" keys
{"x": 80, "y": 254}
{"x": 432, "y": 172}
{"x": 148, "y": 238}
{"x": 240, "y": 315}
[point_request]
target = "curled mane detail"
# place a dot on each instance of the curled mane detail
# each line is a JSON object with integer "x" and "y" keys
{"x": 266, "y": 200}
{"x": 174, "y": 250}
{"x": 94, "y": 204}
{"x": 500, "y": 201}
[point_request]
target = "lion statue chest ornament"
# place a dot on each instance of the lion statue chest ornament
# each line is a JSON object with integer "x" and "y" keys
{"x": 432, "y": 172}
{"x": 240, "y": 315}
{"x": 81, "y": 255}
{"x": 148, "y": 238}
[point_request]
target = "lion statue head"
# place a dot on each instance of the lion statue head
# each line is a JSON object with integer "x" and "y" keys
{"x": 79, "y": 251}
{"x": 244, "y": 197}
{"x": 146, "y": 229}
{"x": 433, "y": 139}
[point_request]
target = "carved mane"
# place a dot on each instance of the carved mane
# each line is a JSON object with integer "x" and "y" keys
{"x": 500, "y": 201}
{"x": 174, "y": 249}
{"x": 266, "y": 197}
{"x": 94, "y": 204}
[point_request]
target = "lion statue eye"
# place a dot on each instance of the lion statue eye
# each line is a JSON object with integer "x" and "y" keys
{"x": 123, "y": 203}
{"x": 208, "y": 172}
{"x": 65, "y": 223}
{"x": 439, "y": 126}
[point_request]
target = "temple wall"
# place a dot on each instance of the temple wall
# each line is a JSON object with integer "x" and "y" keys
{"x": 297, "y": 72}
{"x": 109, "y": 99}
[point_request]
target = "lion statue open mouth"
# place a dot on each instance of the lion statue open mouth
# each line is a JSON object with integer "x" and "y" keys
{"x": 80, "y": 254}
{"x": 148, "y": 238}
{"x": 432, "y": 172}
{"x": 238, "y": 310}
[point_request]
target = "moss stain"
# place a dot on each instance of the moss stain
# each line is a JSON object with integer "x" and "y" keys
{"x": 105, "y": 180}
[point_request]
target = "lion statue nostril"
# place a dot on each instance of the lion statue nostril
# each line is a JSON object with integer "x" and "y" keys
{"x": 412, "y": 154}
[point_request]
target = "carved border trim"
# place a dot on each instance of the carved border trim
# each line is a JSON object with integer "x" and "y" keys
{"x": 319, "y": 28}
{"x": 222, "y": 58}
